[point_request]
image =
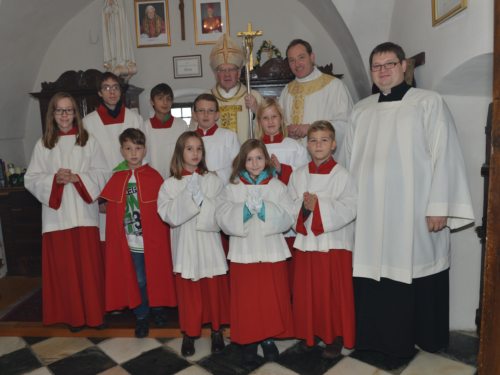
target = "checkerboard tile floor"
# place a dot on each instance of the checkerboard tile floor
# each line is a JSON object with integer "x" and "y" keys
{"x": 151, "y": 356}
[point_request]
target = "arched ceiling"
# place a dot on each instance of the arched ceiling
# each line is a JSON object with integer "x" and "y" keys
{"x": 329, "y": 17}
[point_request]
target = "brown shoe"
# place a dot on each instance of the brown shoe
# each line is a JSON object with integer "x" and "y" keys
{"x": 217, "y": 341}
{"x": 333, "y": 350}
{"x": 187, "y": 348}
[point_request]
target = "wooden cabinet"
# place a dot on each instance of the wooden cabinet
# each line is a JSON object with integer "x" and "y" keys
{"x": 20, "y": 215}
{"x": 82, "y": 85}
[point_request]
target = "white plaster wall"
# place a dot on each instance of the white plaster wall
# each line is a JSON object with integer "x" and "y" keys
{"x": 78, "y": 46}
{"x": 448, "y": 46}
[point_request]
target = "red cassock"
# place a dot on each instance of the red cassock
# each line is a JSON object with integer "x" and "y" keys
{"x": 122, "y": 289}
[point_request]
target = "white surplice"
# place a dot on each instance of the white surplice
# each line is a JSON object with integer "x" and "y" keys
{"x": 87, "y": 162}
{"x": 195, "y": 236}
{"x": 406, "y": 159}
{"x": 160, "y": 144}
{"x": 255, "y": 240}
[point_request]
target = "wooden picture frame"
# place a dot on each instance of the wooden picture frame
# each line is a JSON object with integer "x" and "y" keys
{"x": 211, "y": 20}
{"x": 152, "y": 25}
{"x": 445, "y": 9}
{"x": 187, "y": 66}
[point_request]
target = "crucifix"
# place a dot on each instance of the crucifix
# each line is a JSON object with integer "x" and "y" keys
{"x": 183, "y": 28}
{"x": 248, "y": 36}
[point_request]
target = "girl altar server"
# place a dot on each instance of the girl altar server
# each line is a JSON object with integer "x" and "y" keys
{"x": 187, "y": 203}
{"x": 286, "y": 153}
{"x": 66, "y": 174}
{"x": 254, "y": 209}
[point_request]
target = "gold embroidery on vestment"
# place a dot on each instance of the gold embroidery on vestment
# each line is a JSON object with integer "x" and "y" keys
{"x": 299, "y": 90}
{"x": 229, "y": 116}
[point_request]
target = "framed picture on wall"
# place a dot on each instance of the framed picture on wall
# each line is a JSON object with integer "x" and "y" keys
{"x": 187, "y": 66}
{"x": 444, "y": 9}
{"x": 152, "y": 25}
{"x": 211, "y": 20}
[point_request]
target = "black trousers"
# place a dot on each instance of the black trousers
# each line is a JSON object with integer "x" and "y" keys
{"x": 393, "y": 317}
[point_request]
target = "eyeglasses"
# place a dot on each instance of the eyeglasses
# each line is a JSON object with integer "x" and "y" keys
{"x": 386, "y": 66}
{"x": 110, "y": 88}
{"x": 227, "y": 70}
{"x": 205, "y": 111}
{"x": 62, "y": 111}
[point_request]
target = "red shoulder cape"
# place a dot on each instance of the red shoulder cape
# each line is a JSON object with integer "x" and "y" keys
{"x": 122, "y": 289}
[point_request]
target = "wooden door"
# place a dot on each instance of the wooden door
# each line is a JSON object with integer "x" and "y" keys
{"x": 489, "y": 345}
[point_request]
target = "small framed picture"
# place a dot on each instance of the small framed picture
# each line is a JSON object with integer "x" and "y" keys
{"x": 152, "y": 25}
{"x": 211, "y": 20}
{"x": 444, "y": 9}
{"x": 187, "y": 66}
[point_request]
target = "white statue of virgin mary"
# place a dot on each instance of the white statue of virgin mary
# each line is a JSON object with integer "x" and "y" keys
{"x": 118, "y": 51}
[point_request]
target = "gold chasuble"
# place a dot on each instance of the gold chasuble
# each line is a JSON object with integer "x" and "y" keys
{"x": 229, "y": 108}
{"x": 299, "y": 90}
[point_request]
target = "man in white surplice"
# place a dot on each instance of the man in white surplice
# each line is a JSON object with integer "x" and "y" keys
{"x": 402, "y": 148}
{"x": 312, "y": 95}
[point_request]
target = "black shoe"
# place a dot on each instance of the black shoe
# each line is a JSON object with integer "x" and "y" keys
{"x": 333, "y": 350}
{"x": 250, "y": 353}
{"x": 217, "y": 341}
{"x": 160, "y": 319}
{"x": 187, "y": 348}
{"x": 271, "y": 352}
{"x": 75, "y": 329}
{"x": 141, "y": 328}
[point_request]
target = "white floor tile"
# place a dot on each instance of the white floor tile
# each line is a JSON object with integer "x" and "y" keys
{"x": 273, "y": 369}
{"x": 428, "y": 363}
{"x": 193, "y": 370}
{"x": 40, "y": 371}
{"x": 11, "y": 344}
{"x": 56, "y": 348}
{"x": 351, "y": 366}
{"x": 124, "y": 348}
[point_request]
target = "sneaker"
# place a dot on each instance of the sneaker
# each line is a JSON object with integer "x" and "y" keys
{"x": 217, "y": 341}
{"x": 75, "y": 329}
{"x": 271, "y": 353}
{"x": 187, "y": 348}
{"x": 141, "y": 328}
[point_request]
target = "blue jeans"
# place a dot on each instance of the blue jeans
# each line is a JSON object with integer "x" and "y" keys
{"x": 141, "y": 311}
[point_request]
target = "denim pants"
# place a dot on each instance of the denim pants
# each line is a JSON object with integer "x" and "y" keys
{"x": 142, "y": 311}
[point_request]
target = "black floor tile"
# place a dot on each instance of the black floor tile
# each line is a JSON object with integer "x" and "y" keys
{"x": 381, "y": 360}
{"x": 462, "y": 347}
{"x": 229, "y": 362}
{"x": 307, "y": 361}
{"x": 97, "y": 340}
{"x": 19, "y": 362}
{"x": 87, "y": 362}
{"x": 34, "y": 340}
{"x": 156, "y": 362}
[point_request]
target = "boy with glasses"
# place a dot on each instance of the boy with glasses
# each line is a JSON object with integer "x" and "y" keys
{"x": 162, "y": 130}
{"x": 221, "y": 145}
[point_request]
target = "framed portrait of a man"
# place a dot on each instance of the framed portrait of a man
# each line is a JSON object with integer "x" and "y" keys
{"x": 211, "y": 20}
{"x": 152, "y": 25}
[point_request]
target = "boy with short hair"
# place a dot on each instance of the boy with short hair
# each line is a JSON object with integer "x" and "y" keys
{"x": 138, "y": 257}
{"x": 221, "y": 145}
{"x": 325, "y": 204}
{"x": 162, "y": 130}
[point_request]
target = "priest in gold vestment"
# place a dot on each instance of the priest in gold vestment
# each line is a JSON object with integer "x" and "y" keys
{"x": 312, "y": 95}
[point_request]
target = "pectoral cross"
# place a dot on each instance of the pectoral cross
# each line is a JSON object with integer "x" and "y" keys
{"x": 249, "y": 35}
